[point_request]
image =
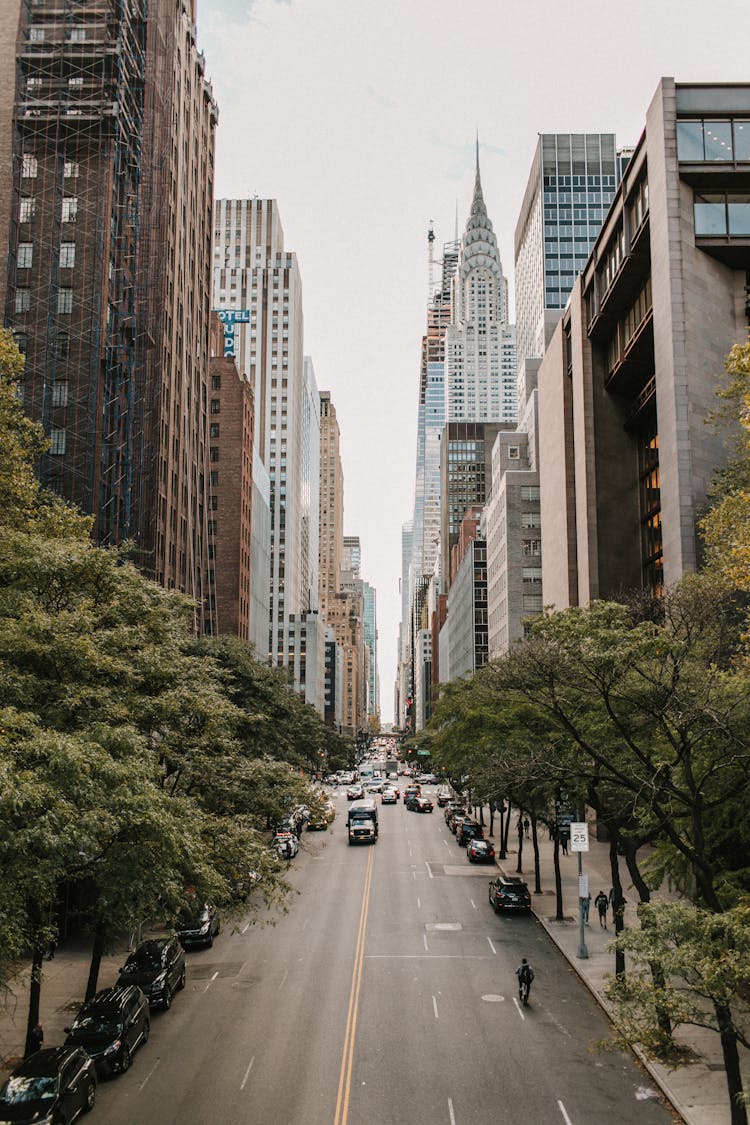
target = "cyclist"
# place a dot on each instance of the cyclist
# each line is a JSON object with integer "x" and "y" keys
{"x": 525, "y": 975}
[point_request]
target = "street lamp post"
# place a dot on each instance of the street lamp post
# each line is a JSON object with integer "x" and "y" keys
{"x": 579, "y": 842}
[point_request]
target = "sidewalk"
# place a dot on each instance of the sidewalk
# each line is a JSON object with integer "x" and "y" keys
{"x": 698, "y": 1091}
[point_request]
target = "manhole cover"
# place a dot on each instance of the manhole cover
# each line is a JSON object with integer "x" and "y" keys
{"x": 491, "y": 998}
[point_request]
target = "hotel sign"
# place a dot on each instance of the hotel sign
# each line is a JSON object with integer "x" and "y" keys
{"x": 229, "y": 318}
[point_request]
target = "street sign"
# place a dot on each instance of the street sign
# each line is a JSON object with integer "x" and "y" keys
{"x": 579, "y": 837}
{"x": 583, "y": 886}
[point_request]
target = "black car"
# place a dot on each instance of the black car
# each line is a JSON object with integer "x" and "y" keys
{"x": 158, "y": 968}
{"x": 424, "y": 805}
{"x": 411, "y": 802}
{"x": 480, "y": 851}
{"x": 468, "y": 830}
{"x": 111, "y": 1026}
{"x": 509, "y": 894}
{"x": 198, "y": 926}
{"x": 56, "y": 1084}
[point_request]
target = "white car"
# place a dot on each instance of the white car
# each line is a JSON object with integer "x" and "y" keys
{"x": 355, "y": 793}
{"x": 388, "y": 797}
{"x": 286, "y": 844}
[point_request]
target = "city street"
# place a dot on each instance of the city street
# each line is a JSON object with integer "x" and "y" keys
{"x": 385, "y": 994}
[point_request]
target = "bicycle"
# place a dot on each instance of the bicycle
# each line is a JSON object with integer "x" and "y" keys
{"x": 524, "y": 988}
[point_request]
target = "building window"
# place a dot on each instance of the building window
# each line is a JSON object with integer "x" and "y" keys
{"x": 214, "y": 453}
{"x": 64, "y": 300}
{"x": 60, "y": 394}
{"x": 67, "y": 255}
{"x": 514, "y": 452}
{"x": 214, "y": 429}
{"x": 531, "y": 574}
{"x": 531, "y": 547}
{"x": 214, "y": 479}
{"x": 25, "y": 255}
{"x": 26, "y": 209}
{"x": 216, "y": 382}
{"x": 63, "y": 344}
{"x": 533, "y": 603}
{"x": 78, "y": 35}
{"x": 29, "y": 166}
{"x": 57, "y": 443}
{"x": 23, "y": 300}
{"x": 215, "y": 406}
{"x": 213, "y": 503}
{"x": 69, "y": 209}
{"x": 22, "y": 343}
{"x": 530, "y": 492}
{"x": 36, "y": 35}
{"x": 722, "y": 213}
{"x": 75, "y": 83}
{"x": 70, "y": 169}
{"x": 530, "y": 519}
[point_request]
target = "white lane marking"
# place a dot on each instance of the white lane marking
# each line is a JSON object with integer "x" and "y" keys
{"x": 447, "y": 845}
{"x": 564, "y": 1112}
{"x": 489, "y": 939}
{"x": 429, "y": 869}
{"x": 153, "y": 1068}
{"x": 424, "y": 938}
{"x": 247, "y": 1073}
{"x": 419, "y": 904}
{"x": 410, "y": 852}
{"x": 413, "y": 874}
{"x": 283, "y": 979}
{"x": 304, "y": 924}
{"x": 518, "y": 1006}
{"x": 213, "y": 978}
{"x": 471, "y": 900}
{"x": 245, "y": 928}
{"x": 451, "y": 1114}
{"x": 434, "y": 1008}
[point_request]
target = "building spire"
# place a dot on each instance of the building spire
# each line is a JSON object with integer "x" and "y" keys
{"x": 478, "y": 201}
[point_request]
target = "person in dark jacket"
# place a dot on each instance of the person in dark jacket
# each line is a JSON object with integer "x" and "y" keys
{"x": 601, "y": 902}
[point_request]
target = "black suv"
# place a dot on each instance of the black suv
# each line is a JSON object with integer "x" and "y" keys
{"x": 158, "y": 968}
{"x": 468, "y": 830}
{"x": 111, "y": 1027}
{"x": 198, "y": 925}
{"x": 509, "y": 894}
{"x": 56, "y": 1084}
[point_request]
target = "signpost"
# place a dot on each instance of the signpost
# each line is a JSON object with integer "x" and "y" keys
{"x": 579, "y": 842}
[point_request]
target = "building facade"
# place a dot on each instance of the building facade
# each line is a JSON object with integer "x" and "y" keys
{"x": 631, "y": 373}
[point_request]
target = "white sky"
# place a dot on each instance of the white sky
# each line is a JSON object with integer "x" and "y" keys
{"x": 359, "y": 117}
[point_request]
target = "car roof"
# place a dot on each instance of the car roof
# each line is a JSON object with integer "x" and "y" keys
{"x": 44, "y": 1061}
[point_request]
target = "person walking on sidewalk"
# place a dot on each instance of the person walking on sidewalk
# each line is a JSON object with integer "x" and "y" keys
{"x": 601, "y": 902}
{"x": 36, "y": 1039}
{"x": 526, "y": 826}
{"x": 585, "y": 904}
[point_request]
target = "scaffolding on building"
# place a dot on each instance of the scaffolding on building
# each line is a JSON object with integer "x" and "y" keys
{"x": 73, "y": 243}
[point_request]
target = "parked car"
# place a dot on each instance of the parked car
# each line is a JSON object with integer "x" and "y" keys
{"x": 509, "y": 894}
{"x": 451, "y": 814}
{"x": 157, "y": 966}
{"x": 111, "y": 1026}
{"x": 424, "y": 804}
{"x": 286, "y": 845}
{"x": 198, "y": 925}
{"x": 468, "y": 830}
{"x": 319, "y": 821}
{"x": 389, "y": 796}
{"x": 443, "y": 796}
{"x": 455, "y": 822}
{"x": 56, "y": 1084}
{"x": 480, "y": 851}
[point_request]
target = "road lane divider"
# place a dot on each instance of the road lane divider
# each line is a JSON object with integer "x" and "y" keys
{"x": 518, "y": 1008}
{"x": 492, "y": 947}
{"x": 247, "y": 1073}
{"x": 347, "y": 1059}
{"x": 564, "y": 1112}
{"x": 451, "y": 1114}
{"x": 435, "y": 1008}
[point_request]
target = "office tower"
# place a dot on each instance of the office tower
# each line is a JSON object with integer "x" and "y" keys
{"x": 403, "y": 686}
{"x": 571, "y": 184}
{"x": 258, "y": 294}
{"x": 371, "y": 642}
{"x": 631, "y": 372}
{"x": 260, "y": 557}
{"x": 310, "y": 492}
{"x": 228, "y": 600}
{"x": 480, "y": 384}
{"x": 108, "y": 271}
{"x": 463, "y": 638}
{"x": 331, "y": 519}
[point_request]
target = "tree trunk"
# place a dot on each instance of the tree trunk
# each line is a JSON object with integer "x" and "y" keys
{"x": 35, "y": 992}
{"x": 535, "y": 844}
{"x": 96, "y": 960}
{"x": 618, "y": 906}
{"x": 657, "y": 973}
{"x": 492, "y": 818}
{"x": 737, "y": 1108}
{"x": 559, "y": 916}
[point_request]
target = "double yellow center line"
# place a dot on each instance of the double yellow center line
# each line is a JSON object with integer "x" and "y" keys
{"x": 347, "y": 1059}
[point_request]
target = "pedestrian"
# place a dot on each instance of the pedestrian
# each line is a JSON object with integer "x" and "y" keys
{"x": 526, "y": 826}
{"x": 601, "y": 902}
{"x": 51, "y": 943}
{"x": 564, "y": 842}
{"x": 585, "y": 904}
{"x": 36, "y": 1038}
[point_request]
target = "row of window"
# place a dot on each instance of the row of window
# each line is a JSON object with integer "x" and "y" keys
{"x": 68, "y": 213}
{"x": 722, "y": 213}
{"x": 708, "y": 141}
{"x": 64, "y": 300}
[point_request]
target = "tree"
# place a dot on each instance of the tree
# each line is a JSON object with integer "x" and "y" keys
{"x": 726, "y": 528}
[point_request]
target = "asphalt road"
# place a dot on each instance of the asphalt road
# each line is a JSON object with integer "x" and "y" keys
{"x": 385, "y": 995}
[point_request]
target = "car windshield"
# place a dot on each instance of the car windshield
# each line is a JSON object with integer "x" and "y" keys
{"x": 98, "y": 1023}
{"x": 479, "y": 845}
{"x": 143, "y": 959}
{"x": 190, "y": 918}
{"x": 28, "y": 1088}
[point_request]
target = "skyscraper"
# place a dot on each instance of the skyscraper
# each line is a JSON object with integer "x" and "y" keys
{"x": 258, "y": 293}
{"x": 108, "y": 267}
